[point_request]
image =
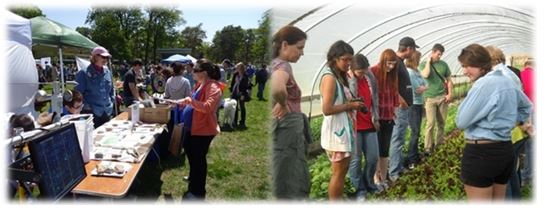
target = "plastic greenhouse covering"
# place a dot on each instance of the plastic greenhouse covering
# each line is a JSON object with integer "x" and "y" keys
{"x": 370, "y": 30}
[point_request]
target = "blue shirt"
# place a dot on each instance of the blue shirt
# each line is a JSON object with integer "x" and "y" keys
{"x": 492, "y": 108}
{"x": 189, "y": 111}
{"x": 96, "y": 88}
{"x": 416, "y": 80}
{"x": 509, "y": 74}
{"x": 190, "y": 78}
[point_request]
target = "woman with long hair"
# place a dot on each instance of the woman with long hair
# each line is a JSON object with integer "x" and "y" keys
{"x": 337, "y": 130}
{"x": 388, "y": 98}
{"x": 363, "y": 85}
{"x": 239, "y": 89}
{"x": 291, "y": 179}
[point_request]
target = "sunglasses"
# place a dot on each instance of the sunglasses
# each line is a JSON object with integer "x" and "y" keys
{"x": 77, "y": 107}
{"x": 197, "y": 70}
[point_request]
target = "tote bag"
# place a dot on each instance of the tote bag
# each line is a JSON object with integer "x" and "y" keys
{"x": 175, "y": 145}
{"x": 336, "y": 131}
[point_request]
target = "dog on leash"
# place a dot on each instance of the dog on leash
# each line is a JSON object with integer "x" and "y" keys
{"x": 229, "y": 111}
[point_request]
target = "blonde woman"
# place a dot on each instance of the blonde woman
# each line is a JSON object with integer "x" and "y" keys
{"x": 419, "y": 86}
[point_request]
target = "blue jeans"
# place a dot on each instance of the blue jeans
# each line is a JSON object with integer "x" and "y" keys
{"x": 527, "y": 167}
{"x": 260, "y": 92}
{"x": 363, "y": 178}
{"x": 398, "y": 141}
{"x": 513, "y": 186}
{"x": 415, "y": 120}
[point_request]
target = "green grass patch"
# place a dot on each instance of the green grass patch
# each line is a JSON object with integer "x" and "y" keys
{"x": 238, "y": 162}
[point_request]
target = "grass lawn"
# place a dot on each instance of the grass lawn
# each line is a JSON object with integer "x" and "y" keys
{"x": 238, "y": 164}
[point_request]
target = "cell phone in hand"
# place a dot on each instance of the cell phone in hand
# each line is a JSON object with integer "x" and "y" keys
{"x": 363, "y": 109}
{"x": 357, "y": 99}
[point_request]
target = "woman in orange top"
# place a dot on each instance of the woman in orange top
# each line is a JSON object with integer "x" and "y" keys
{"x": 200, "y": 124}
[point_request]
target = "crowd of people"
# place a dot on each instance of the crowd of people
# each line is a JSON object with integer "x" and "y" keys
{"x": 368, "y": 109}
{"x": 194, "y": 90}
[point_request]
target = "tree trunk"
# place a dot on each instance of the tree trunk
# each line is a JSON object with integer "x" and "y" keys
{"x": 148, "y": 33}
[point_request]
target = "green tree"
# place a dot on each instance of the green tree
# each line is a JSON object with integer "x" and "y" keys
{"x": 86, "y": 31}
{"x": 192, "y": 38}
{"x": 260, "y": 51}
{"x": 26, "y": 11}
{"x": 244, "y": 51}
{"x": 117, "y": 29}
{"x": 160, "y": 29}
{"x": 205, "y": 49}
{"x": 226, "y": 43}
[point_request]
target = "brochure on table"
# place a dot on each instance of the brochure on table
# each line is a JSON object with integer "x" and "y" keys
{"x": 120, "y": 140}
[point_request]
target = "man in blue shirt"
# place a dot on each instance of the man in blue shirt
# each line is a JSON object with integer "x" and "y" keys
{"x": 95, "y": 84}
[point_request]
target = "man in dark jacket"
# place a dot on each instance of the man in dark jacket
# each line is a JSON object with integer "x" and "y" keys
{"x": 260, "y": 79}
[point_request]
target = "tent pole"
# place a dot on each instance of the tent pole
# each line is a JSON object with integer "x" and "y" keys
{"x": 62, "y": 72}
{"x": 115, "y": 102}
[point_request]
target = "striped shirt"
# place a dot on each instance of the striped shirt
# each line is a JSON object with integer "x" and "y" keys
{"x": 388, "y": 98}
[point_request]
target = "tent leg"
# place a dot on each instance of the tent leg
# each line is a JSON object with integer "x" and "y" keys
{"x": 61, "y": 68}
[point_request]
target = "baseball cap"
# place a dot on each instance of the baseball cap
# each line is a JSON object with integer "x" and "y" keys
{"x": 99, "y": 50}
{"x": 408, "y": 41}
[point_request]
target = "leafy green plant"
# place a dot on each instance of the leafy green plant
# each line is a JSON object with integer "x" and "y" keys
{"x": 436, "y": 178}
{"x": 320, "y": 177}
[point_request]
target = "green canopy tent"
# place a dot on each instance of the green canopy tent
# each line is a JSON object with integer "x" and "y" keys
{"x": 49, "y": 35}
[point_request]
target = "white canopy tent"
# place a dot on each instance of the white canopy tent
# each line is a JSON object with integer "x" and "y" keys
{"x": 23, "y": 78}
{"x": 371, "y": 30}
{"x": 19, "y": 29}
{"x": 22, "y": 73}
{"x": 177, "y": 58}
{"x": 194, "y": 60}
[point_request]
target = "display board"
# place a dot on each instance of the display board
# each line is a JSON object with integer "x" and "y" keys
{"x": 57, "y": 157}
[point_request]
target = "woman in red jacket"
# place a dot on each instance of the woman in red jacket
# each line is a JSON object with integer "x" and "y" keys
{"x": 200, "y": 124}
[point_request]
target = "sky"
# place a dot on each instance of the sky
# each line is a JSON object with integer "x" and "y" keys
{"x": 213, "y": 18}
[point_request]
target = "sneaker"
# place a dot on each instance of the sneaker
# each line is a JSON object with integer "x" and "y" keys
{"x": 379, "y": 188}
{"x": 412, "y": 166}
{"x": 394, "y": 178}
{"x": 360, "y": 196}
{"x": 385, "y": 185}
{"x": 427, "y": 153}
{"x": 191, "y": 197}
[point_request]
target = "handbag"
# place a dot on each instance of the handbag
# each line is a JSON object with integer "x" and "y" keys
{"x": 175, "y": 145}
{"x": 246, "y": 97}
{"x": 336, "y": 131}
{"x": 443, "y": 79}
